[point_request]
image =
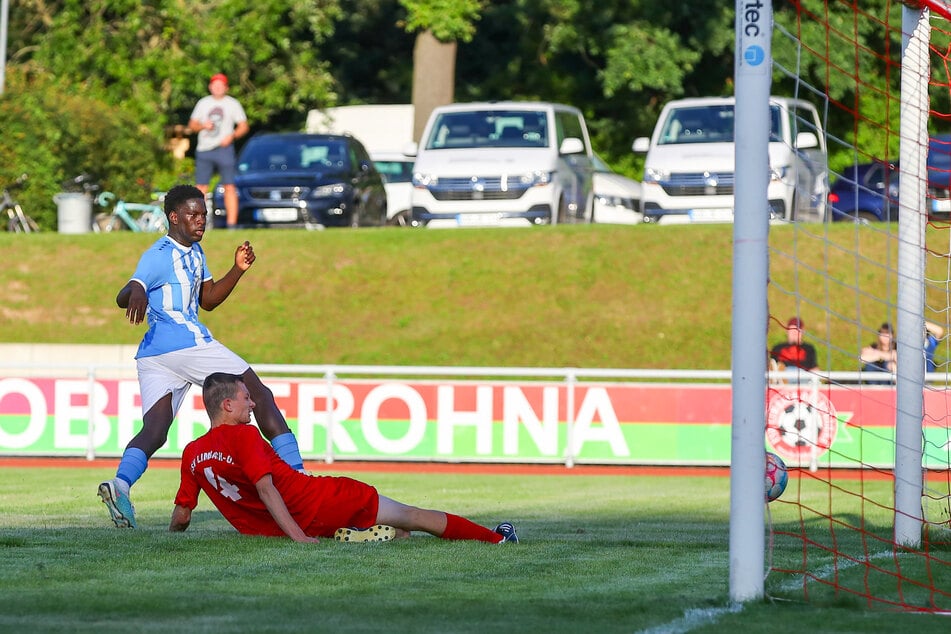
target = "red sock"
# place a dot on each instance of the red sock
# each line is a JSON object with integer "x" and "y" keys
{"x": 461, "y": 528}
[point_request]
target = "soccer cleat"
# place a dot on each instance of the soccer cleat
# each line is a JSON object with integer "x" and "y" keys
{"x": 507, "y": 531}
{"x": 119, "y": 505}
{"x": 378, "y": 533}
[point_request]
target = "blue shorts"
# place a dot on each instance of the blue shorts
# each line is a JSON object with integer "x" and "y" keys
{"x": 220, "y": 159}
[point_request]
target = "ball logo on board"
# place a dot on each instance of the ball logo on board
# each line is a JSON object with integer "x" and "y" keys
{"x": 801, "y": 424}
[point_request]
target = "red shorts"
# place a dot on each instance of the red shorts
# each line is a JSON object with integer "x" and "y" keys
{"x": 348, "y": 503}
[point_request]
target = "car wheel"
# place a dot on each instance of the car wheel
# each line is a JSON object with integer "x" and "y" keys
{"x": 401, "y": 219}
{"x": 866, "y": 217}
{"x": 562, "y": 210}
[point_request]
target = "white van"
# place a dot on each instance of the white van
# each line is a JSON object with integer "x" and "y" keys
{"x": 502, "y": 163}
{"x": 688, "y": 171}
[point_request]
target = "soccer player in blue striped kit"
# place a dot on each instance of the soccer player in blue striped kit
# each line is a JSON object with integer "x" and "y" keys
{"x": 170, "y": 283}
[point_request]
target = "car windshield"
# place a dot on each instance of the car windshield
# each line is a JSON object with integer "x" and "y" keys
{"x": 489, "y": 128}
{"x": 708, "y": 124}
{"x": 600, "y": 165}
{"x": 395, "y": 171}
{"x": 278, "y": 155}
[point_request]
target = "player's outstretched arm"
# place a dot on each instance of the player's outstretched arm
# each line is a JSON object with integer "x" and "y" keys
{"x": 275, "y": 505}
{"x": 134, "y": 299}
{"x": 181, "y": 518}
{"x": 213, "y": 292}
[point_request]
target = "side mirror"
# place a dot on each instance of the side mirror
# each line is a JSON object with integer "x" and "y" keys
{"x": 410, "y": 149}
{"x": 571, "y": 145}
{"x": 641, "y": 144}
{"x": 806, "y": 140}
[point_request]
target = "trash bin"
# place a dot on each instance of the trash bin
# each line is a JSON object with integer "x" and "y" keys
{"x": 73, "y": 212}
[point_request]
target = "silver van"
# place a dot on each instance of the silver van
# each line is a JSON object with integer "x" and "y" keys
{"x": 689, "y": 168}
{"x": 502, "y": 163}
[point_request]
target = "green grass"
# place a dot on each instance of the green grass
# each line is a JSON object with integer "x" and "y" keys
{"x": 606, "y": 554}
{"x": 598, "y": 554}
{"x": 582, "y": 296}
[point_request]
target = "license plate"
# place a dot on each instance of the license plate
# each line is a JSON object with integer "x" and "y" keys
{"x": 941, "y": 204}
{"x": 477, "y": 220}
{"x": 280, "y": 214}
{"x": 712, "y": 215}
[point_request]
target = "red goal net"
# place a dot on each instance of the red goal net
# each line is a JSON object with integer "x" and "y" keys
{"x": 842, "y": 286}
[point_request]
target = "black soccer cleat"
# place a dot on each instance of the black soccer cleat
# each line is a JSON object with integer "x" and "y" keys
{"x": 507, "y": 531}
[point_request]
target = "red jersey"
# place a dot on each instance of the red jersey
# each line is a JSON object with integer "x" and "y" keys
{"x": 228, "y": 460}
{"x": 795, "y": 355}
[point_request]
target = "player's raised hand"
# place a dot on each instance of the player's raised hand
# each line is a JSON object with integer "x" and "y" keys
{"x": 244, "y": 256}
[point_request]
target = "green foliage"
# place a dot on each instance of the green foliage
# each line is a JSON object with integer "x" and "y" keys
{"x": 617, "y": 60}
{"x": 57, "y": 135}
{"x": 448, "y": 20}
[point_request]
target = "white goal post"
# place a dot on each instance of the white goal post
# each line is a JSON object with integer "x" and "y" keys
{"x": 752, "y": 74}
{"x": 752, "y": 78}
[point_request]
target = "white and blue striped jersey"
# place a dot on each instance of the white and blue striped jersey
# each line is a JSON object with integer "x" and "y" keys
{"x": 172, "y": 275}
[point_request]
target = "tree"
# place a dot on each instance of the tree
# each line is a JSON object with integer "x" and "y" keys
{"x": 439, "y": 25}
{"x": 57, "y": 135}
{"x": 146, "y": 64}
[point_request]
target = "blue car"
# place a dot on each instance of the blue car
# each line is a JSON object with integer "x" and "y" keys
{"x": 939, "y": 176}
{"x": 308, "y": 181}
{"x": 868, "y": 192}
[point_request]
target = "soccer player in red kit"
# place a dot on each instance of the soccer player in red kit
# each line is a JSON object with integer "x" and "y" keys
{"x": 259, "y": 494}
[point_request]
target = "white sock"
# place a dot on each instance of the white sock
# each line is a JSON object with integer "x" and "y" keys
{"x": 122, "y": 485}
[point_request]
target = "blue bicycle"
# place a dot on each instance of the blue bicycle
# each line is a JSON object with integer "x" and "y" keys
{"x": 147, "y": 217}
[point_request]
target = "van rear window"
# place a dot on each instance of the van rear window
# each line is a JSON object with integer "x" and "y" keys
{"x": 489, "y": 128}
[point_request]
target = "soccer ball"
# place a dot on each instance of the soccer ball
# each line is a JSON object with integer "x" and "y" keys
{"x": 776, "y": 476}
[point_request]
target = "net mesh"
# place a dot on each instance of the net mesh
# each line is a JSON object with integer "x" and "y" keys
{"x": 832, "y": 531}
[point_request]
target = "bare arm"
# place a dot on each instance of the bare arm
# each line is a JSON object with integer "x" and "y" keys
{"x": 197, "y": 126}
{"x": 134, "y": 299}
{"x": 275, "y": 505}
{"x": 213, "y": 292}
{"x": 181, "y": 518}
{"x": 934, "y": 329}
{"x": 240, "y": 130}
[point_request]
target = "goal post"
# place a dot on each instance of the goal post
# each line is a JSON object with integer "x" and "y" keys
{"x": 915, "y": 76}
{"x": 867, "y": 436}
{"x": 752, "y": 73}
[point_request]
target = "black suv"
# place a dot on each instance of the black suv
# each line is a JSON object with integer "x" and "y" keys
{"x": 305, "y": 180}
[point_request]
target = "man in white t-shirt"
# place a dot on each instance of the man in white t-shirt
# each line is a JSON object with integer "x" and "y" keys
{"x": 219, "y": 120}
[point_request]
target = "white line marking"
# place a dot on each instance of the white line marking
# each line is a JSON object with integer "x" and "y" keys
{"x": 693, "y": 618}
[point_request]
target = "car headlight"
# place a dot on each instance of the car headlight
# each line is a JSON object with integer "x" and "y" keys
{"x": 654, "y": 175}
{"x": 535, "y": 179}
{"x": 334, "y": 190}
{"x": 778, "y": 173}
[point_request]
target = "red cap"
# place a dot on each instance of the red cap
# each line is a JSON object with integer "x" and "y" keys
{"x": 794, "y": 322}
{"x": 219, "y": 77}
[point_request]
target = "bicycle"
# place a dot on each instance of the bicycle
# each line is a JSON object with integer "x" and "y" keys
{"x": 17, "y": 221}
{"x": 149, "y": 217}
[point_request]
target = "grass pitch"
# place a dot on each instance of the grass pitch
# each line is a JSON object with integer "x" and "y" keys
{"x": 599, "y": 553}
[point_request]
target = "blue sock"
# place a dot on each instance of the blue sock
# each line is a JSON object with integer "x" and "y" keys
{"x": 133, "y": 464}
{"x": 286, "y": 447}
